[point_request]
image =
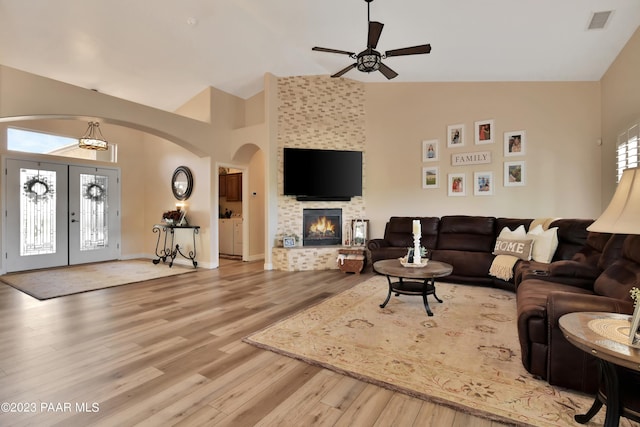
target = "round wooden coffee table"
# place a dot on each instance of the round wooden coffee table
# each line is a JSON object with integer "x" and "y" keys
{"x": 426, "y": 276}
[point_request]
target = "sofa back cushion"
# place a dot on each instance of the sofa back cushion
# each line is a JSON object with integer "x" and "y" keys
{"x": 592, "y": 250}
{"x": 612, "y": 251}
{"x": 399, "y": 231}
{"x": 623, "y": 274}
{"x": 467, "y": 233}
{"x": 572, "y": 236}
{"x": 511, "y": 224}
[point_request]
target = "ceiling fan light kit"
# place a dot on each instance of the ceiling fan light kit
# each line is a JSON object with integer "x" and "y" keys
{"x": 370, "y": 60}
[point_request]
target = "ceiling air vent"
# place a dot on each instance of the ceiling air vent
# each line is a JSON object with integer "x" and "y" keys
{"x": 599, "y": 20}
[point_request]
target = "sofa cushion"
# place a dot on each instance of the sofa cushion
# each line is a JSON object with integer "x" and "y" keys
{"x": 572, "y": 236}
{"x": 399, "y": 231}
{"x": 466, "y": 263}
{"x": 623, "y": 274}
{"x": 545, "y": 243}
{"x": 467, "y": 233}
{"x": 611, "y": 251}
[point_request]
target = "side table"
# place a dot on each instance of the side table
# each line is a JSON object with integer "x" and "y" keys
{"x": 165, "y": 250}
{"x": 585, "y": 330}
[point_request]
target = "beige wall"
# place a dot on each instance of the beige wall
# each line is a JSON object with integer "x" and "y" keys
{"x": 562, "y": 124}
{"x": 620, "y": 108}
{"x": 161, "y": 158}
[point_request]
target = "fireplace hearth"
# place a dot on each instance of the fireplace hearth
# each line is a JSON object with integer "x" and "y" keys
{"x": 322, "y": 227}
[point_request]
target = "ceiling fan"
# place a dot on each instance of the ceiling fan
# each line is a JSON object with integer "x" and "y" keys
{"x": 370, "y": 60}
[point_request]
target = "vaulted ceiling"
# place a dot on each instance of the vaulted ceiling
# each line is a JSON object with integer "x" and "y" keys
{"x": 162, "y": 52}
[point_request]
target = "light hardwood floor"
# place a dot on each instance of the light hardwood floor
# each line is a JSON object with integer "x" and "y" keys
{"x": 169, "y": 352}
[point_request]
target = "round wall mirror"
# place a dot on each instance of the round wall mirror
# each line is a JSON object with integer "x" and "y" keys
{"x": 182, "y": 183}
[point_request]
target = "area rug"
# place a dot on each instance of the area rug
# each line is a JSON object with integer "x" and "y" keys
{"x": 466, "y": 356}
{"x": 61, "y": 281}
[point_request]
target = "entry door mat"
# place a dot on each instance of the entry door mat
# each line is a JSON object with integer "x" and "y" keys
{"x": 57, "y": 282}
{"x": 467, "y": 356}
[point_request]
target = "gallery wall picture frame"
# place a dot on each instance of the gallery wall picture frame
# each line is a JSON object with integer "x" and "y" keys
{"x": 430, "y": 150}
{"x": 455, "y": 135}
{"x": 484, "y": 131}
{"x": 515, "y": 143}
{"x": 457, "y": 184}
{"x": 430, "y": 177}
{"x": 515, "y": 174}
{"x": 483, "y": 183}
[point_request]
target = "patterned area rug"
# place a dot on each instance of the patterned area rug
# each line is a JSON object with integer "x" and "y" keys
{"x": 466, "y": 356}
{"x": 57, "y": 282}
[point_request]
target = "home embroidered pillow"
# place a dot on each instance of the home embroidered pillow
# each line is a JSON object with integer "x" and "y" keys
{"x": 545, "y": 243}
{"x": 520, "y": 248}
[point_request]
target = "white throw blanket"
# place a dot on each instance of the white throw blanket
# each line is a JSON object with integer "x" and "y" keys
{"x": 502, "y": 266}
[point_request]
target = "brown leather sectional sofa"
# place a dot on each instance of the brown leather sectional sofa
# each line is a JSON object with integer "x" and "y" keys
{"x": 589, "y": 272}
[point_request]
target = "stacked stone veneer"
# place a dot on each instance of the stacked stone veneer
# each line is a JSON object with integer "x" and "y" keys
{"x": 323, "y": 113}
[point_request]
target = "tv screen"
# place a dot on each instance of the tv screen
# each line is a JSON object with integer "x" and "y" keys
{"x": 313, "y": 174}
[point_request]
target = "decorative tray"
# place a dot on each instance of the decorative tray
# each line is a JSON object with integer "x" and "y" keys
{"x": 403, "y": 261}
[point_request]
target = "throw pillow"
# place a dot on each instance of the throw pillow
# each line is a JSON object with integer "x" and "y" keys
{"x": 545, "y": 243}
{"x": 514, "y": 247}
{"x": 518, "y": 233}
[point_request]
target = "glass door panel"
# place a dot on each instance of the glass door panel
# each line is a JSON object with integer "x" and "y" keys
{"x": 94, "y": 222}
{"x": 36, "y": 215}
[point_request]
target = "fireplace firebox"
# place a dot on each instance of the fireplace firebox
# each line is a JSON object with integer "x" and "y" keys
{"x": 321, "y": 227}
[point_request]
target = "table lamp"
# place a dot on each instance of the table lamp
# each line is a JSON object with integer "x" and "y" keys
{"x": 622, "y": 216}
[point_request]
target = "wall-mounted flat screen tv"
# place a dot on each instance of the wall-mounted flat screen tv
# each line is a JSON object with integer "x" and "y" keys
{"x": 311, "y": 174}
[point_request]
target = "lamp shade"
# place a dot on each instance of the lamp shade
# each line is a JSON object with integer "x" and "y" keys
{"x": 622, "y": 216}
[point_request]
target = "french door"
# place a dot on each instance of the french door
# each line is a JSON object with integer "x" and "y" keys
{"x": 59, "y": 214}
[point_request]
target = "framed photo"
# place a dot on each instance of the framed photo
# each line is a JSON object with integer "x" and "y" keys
{"x": 484, "y": 132}
{"x": 457, "y": 184}
{"x": 514, "y": 174}
{"x": 455, "y": 135}
{"x": 515, "y": 143}
{"x": 288, "y": 242}
{"x": 430, "y": 177}
{"x": 430, "y": 151}
{"x": 483, "y": 184}
{"x": 360, "y": 231}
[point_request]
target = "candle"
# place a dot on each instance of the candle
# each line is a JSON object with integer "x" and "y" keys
{"x": 416, "y": 227}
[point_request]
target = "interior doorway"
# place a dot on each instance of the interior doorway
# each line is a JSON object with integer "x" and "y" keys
{"x": 231, "y": 214}
{"x": 60, "y": 214}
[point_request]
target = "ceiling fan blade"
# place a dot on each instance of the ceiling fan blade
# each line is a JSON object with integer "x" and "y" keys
{"x": 415, "y": 50}
{"x": 388, "y": 72}
{"x": 375, "y": 29}
{"x": 344, "y": 70}
{"x": 324, "y": 49}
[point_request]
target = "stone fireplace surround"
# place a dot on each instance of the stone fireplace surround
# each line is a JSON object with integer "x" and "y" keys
{"x": 324, "y": 113}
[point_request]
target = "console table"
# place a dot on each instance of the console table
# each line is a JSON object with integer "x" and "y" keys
{"x": 618, "y": 392}
{"x": 170, "y": 251}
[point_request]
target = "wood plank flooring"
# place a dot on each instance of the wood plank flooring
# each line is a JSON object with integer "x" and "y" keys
{"x": 169, "y": 352}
